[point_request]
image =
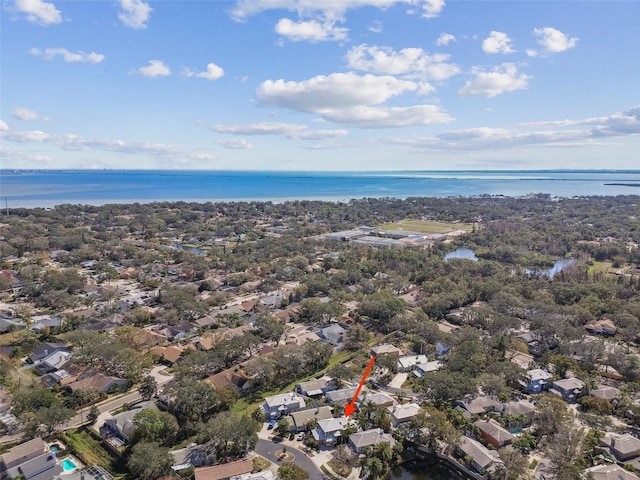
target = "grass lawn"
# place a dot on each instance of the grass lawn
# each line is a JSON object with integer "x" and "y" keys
{"x": 260, "y": 463}
{"x": 425, "y": 226}
{"x": 599, "y": 267}
{"x": 342, "y": 470}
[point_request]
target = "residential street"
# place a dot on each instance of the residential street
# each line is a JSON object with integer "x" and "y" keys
{"x": 267, "y": 449}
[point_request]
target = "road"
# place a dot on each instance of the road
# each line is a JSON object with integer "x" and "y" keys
{"x": 267, "y": 449}
{"x": 105, "y": 407}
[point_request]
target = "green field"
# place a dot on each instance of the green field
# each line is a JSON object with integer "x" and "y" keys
{"x": 426, "y": 226}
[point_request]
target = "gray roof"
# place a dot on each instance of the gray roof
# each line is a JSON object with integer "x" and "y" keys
{"x": 342, "y": 395}
{"x": 23, "y": 450}
{"x": 569, "y": 384}
{"x": 480, "y": 454}
{"x": 495, "y": 430}
{"x": 300, "y": 418}
{"x": 605, "y": 392}
{"x": 43, "y": 467}
{"x": 369, "y": 437}
{"x": 333, "y": 424}
{"x": 516, "y": 408}
{"x": 611, "y": 472}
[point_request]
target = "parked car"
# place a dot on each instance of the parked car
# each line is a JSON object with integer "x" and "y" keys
{"x": 272, "y": 424}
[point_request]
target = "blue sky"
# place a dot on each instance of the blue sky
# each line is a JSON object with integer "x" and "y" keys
{"x": 320, "y": 84}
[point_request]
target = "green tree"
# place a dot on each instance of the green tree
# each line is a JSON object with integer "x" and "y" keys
{"x": 148, "y": 387}
{"x": 154, "y": 426}
{"x": 227, "y": 434}
{"x": 148, "y": 461}
{"x": 291, "y": 471}
{"x": 93, "y": 414}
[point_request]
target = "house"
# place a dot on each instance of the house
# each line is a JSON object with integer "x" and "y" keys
{"x": 8, "y": 324}
{"x": 224, "y": 471}
{"x": 601, "y": 327}
{"x": 48, "y": 322}
{"x": 423, "y": 368}
{"x": 98, "y": 381}
{"x": 170, "y": 354}
{"x": 176, "y": 332}
{"x": 277, "y": 406}
{"x": 329, "y": 431}
{"x": 333, "y": 333}
{"x": 342, "y": 396}
{"x": 476, "y": 405}
{"x": 623, "y": 447}
{"x": 521, "y": 412}
{"x": 610, "y": 472}
{"x": 235, "y": 377}
{"x": 408, "y": 363}
{"x": 301, "y": 418}
{"x": 493, "y": 433}
{"x": 523, "y": 360}
{"x": 45, "y": 349}
{"x": 368, "y": 438}
{"x": 385, "y": 349}
{"x": 570, "y": 389}
{"x": 193, "y": 455}
{"x": 30, "y": 460}
{"x": 121, "y": 424}
{"x": 605, "y": 392}
{"x": 379, "y": 399}
{"x": 314, "y": 388}
{"x": 52, "y": 362}
{"x": 481, "y": 458}
{"x": 535, "y": 380}
{"x": 95, "y": 472}
{"x": 403, "y": 413}
{"x": 299, "y": 335}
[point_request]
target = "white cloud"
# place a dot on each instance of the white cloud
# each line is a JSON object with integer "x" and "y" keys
{"x": 289, "y": 130}
{"x": 389, "y": 117}
{"x": 3, "y": 126}
{"x": 134, "y": 13}
{"x": 375, "y": 26}
{"x": 532, "y": 53}
{"x": 554, "y": 41}
{"x": 213, "y": 72}
{"x": 156, "y": 68}
{"x": 432, "y": 8}
{"x": 501, "y": 79}
{"x": 408, "y": 61}
{"x": 68, "y": 56}
{"x": 39, "y": 12}
{"x": 236, "y": 144}
{"x": 445, "y": 39}
{"x": 497, "y": 42}
{"x": 26, "y": 114}
{"x": 312, "y": 30}
{"x": 335, "y": 91}
{"x": 26, "y": 136}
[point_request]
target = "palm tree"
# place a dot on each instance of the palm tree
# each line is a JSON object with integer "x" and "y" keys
{"x": 374, "y": 468}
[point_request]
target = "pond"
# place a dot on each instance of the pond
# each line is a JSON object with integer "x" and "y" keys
{"x": 550, "y": 272}
{"x": 423, "y": 471}
{"x": 461, "y": 253}
{"x": 195, "y": 250}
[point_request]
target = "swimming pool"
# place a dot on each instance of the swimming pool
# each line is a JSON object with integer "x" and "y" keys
{"x": 55, "y": 448}
{"x": 68, "y": 465}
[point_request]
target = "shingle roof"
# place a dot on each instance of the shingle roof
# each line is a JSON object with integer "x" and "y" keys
{"x": 225, "y": 470}
{"x": 24, "y": 449}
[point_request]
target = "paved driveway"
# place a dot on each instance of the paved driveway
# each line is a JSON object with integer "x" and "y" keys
{"x": 267, "y": 449}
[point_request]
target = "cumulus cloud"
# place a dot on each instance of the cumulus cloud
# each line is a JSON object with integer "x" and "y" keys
{"x": 534, "y": 134}
{"x": 213, "y": 72}
{"x": 432, "y": 8}
{"x": 68, "y": 56}
{"x": 497, "y": 42}
{"x": 389, "y": 117}
{"x": 38, "y": 11}
{"x": 134, "y": 13}
{"x": 156, "y": 68}
{"x": 3, "y": 126}
{"x": 335, "y": 91}
{"x": 25, "y": 114}
{"x": 445, "y": 39}
{"x": 501, "y": 79}
{"x": 531, "y": 52}
{"x": 554, "y": 41}
{"x": 236, "y": 144}
{"x": 311, "y": 30}
{"x": 72, "y": 142}
{"x": 408, "y": 61}
{"x": 289, "y": 130}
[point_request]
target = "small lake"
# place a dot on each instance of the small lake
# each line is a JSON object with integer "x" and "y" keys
{"x": 461, "y": 253}
{"x": 550, "y": 272}
{"x": 423, "y": 471}
{"x": 195, "y": 250}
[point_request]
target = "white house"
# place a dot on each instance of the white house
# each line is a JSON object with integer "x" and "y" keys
{"x": 409, "y": 362}
{"x": 330, "y": 430}
{"x": 403, "y": 413}
{"x": 277, "y": 406}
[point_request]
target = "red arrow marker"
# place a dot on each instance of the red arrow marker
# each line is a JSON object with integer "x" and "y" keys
{"x": 350, "y": 408}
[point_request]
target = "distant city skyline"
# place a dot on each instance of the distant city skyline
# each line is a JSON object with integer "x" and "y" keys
{"x": 320, "y": 85}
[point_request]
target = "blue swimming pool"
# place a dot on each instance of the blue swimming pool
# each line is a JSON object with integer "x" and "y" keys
{"x": 68, "y": 465}
{"x": 54, "y": 448}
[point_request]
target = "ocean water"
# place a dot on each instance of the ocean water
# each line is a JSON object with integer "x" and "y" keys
{"x": 40, "y": 188}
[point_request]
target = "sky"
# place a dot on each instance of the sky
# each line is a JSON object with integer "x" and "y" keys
{"x": 319, "y": 85}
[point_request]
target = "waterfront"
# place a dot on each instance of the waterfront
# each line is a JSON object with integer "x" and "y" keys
{"x": 39, "y": 188}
